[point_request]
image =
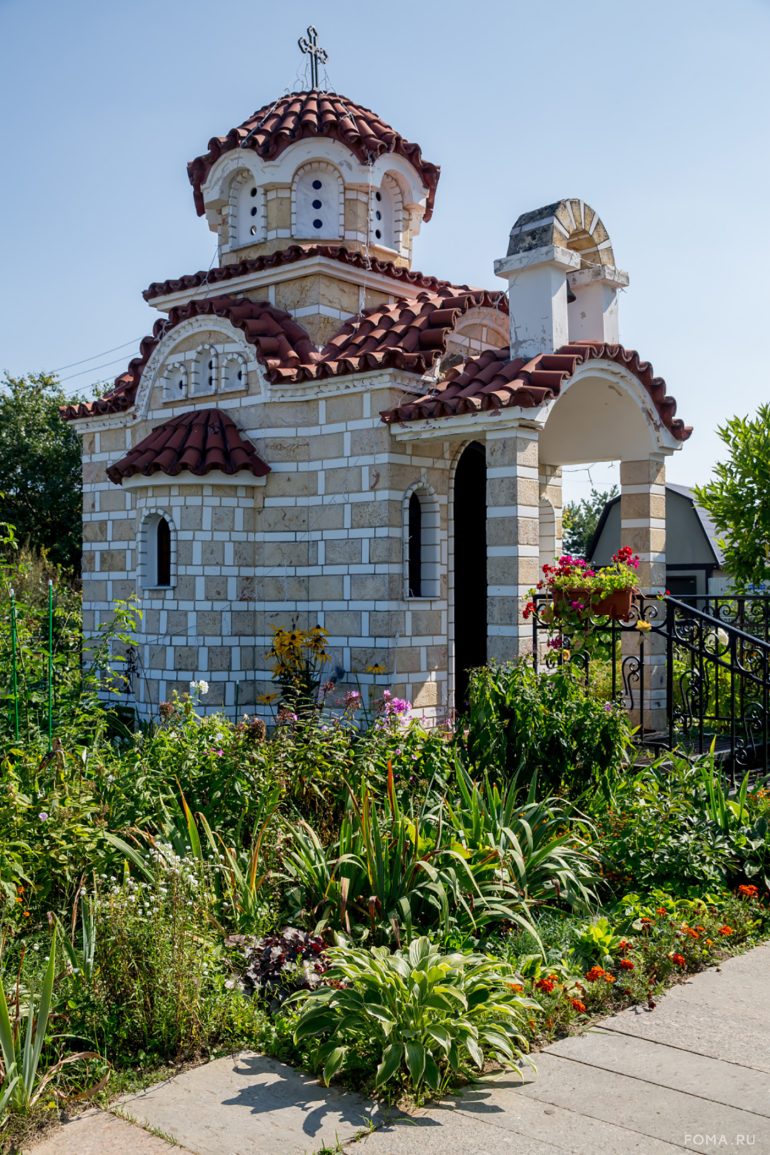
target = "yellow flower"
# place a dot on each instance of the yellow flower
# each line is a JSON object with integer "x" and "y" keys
{"x": 643, "y": 626}
{"x": 566, "y": 655}
{"x": 266, "y": 699}
{"x": 375, "y": 669}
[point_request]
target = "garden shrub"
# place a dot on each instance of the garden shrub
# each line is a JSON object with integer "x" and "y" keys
{"x": 663, "y": 827}
{"x": 157, "y": 984}
{"x": 413, "y": 1019}
{"x": 522, "y": 724}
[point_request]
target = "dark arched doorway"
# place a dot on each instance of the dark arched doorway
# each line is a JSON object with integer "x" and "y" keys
{"x": 470, "y": 567}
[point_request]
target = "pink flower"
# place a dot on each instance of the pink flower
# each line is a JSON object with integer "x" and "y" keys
{"x": 352, "y": 698}
{"x": 397, "y": 706}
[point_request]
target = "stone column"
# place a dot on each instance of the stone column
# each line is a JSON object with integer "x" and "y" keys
{"x": 643, "y": 528}
{"x": 551, "y": 503}
{"x": 512, "y": 539}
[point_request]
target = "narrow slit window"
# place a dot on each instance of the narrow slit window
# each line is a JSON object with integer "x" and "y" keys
{"x": 163, "y": 553}
{"x": 415, "y": 547}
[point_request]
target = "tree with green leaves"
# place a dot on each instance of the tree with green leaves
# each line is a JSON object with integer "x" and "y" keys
{"x": 580, "y": 519}
{"x": 738, "y": 498}
{"x": 40, "y": 475}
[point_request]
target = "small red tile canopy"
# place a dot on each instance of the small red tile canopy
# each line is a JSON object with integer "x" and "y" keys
{"x": 270, "y": 130}
{"x": 494, "y": 381}
{"x": 196, "y": 442}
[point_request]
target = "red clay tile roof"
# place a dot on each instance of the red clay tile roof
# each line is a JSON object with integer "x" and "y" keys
{"x": 289, "y": 256}
{"x": 276, "y": 336}
{"x": 408, "y": 334}
{"x": 271, "y": 129}
{"x": 195, "y": 442}
{"x": 493, "y": 381}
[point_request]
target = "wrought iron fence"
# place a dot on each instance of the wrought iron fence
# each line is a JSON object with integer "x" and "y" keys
{"x": 716, "y": 688}
{"x": 747, "y": 612}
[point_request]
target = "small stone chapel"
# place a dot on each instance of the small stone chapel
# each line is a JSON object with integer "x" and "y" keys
{"x": 316, "y": 432}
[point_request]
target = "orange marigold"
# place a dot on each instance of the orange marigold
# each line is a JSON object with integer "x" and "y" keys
{"x": 661, "y": 911}
{"x": 624, "y": 944}
{"x": 516, "y": 986}
{"x": 546, "y": 985}
{"x": 679, "y": 959}
{"x": 608, "y": 978}
{"x": 748, "y": 891}
{"x": 595, "y": 973}
{"x": 726, "y": 931}
{"x": 578, "y": 1006}
{"x": 626, "y": 964}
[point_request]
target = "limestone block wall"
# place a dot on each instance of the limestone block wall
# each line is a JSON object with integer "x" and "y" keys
{"x": 322, "y": 541}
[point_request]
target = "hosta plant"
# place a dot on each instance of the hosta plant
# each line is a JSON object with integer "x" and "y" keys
{"x": 423, "y": 1017}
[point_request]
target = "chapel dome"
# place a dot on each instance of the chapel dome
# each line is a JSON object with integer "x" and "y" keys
{"x": 314, "y": 166}
{"x": 271, "y": 129}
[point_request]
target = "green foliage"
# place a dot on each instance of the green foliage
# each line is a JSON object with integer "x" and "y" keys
{"x": 672, "y": 824}
{"x": 580, "y": 519}
{"x": 540, "y": 847}
{"x": 416, "y": 1018}
{"x": 40, "y": 472}
{"x": 22, "y": 1038}
{"x": 154, "y": 986}
{"x": 462, "y": 864}
{"x": 738, "y": 498}
{"x": 550, "y": 726}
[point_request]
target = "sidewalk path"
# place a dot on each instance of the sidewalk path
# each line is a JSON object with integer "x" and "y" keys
{"x": 692, "y": 1075}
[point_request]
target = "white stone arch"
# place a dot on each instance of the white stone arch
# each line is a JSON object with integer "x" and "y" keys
{"x": 148, "y": 554}
{"x": 212, "y": 330}
{"x": 245, "y": 215}
{"x": 602, "y": 413}
{"x": 428, "y": 545}
{"x": 205, "y": 371}
{"x": 317, "y": 202}
{"x": 386, "y": 214}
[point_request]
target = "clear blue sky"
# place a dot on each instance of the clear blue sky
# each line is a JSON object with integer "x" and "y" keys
{"x": 656, "y": 113}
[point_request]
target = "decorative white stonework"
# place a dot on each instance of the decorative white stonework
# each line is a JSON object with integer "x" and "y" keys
{"x": 179, "y": 364}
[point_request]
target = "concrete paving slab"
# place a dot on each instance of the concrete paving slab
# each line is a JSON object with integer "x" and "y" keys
{"x": 498, "y": 1103}
{"x": 99, "y": 1133}
{"x": 722, "y": 1013}
{"x": 251, "y": 1105}
{"x": 659, "y": 1112}
{"x": 665, "y": 1066}
{"x": 454, "y": 1134}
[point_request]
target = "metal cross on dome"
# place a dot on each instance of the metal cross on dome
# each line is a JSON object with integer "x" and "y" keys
{"x": 309, "y": 45}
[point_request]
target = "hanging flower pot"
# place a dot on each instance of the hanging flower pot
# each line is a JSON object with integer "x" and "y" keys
{"x": 591, "y": 602}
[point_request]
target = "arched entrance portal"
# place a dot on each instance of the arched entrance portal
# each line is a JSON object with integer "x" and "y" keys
{"x": 470, "y": 567}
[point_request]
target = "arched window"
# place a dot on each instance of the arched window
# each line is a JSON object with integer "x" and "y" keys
{"x": 317, "y": 202}
{"x": 162, "y": 553}
{"x": 234, "y": 375}
{"x": 175, "y": 381}
{"x": 206, "y": 371}
{"x": 386, "y": 214}
{"x": 422, "y": 544}
{"x": 246, "y": 217}
{"x": 415, "y": 547}
{"x": 157, "y": 552}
